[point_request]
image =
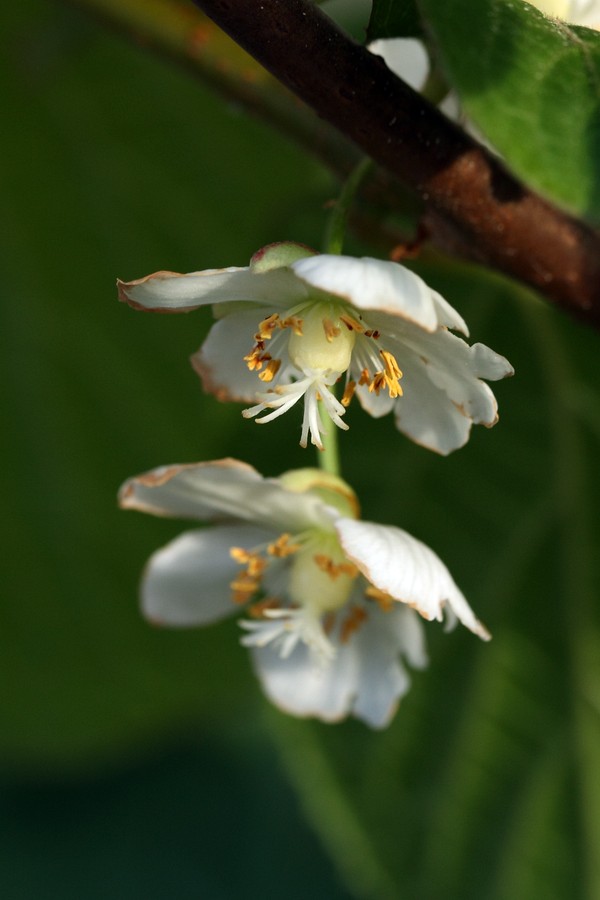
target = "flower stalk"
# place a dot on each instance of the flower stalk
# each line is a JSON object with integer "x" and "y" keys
{"x": 336, "y": 231}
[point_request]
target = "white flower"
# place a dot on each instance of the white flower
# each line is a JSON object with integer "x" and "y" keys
{"x": 577, "y": 12}
{"x": 294, "y": 322}
{"x": 331, "y": 602}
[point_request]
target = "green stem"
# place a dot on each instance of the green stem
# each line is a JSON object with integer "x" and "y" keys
{"x": 336, "y": 230}
{"x": 329, "y": 457}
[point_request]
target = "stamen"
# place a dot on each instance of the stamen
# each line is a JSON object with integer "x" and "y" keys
{"x": 271, "y": 371}
{"x": 255, "y": 564}
{"x": 387, "y": 378}
{"x": 351, "y": 323}
{"x": 267, "y": 327}
{"x": 257, "y": 610}
{"x": 282, "y": 547}
{"x": 383, "y": 600}
{"x": 257, "y": 357}
{"x": 331, "y": 331}
{"x": 240, "y": 555}
{"x": 243, "y": 587}
{"x": 392, "y": 373}
{"x": 377, "y": 383}
{"x": 334, "y": 570}
{"x": 352, "y": 623}
{"x": 293, "y": 322}
{"x": 348, "y": 394}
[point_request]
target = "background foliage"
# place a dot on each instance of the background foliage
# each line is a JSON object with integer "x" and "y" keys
{"x": 146, "y": 764}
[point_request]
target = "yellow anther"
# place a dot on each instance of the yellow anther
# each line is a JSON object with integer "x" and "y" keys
{"x": 331, "y": 331}
{"x": 387, "y": 379}
{"x": 257, "y": 610}
{"x": 348, "y": 393}
{"x": 240, "y": 555}
{"x": 294, "y": 323}
{"x": 334, "y": 570}
{"x": 351, "y": 323}
{"x": 282, "y": 546}
{"x": 352, "y": 623}
{"x": 271, "y": 371}
{"x": 267, "y": 327}
{"x": 257, "y": 357}
{"x": 377, "y": 383}
{"x": 383, "y": 600}
{"x": 393, "y": 373}
{"x": 243, "y": 587}
{"x": 256, "y": 566}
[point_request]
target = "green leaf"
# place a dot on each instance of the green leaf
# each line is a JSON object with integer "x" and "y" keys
{"x": 532, "y": 86}
{"x": 390, "y": 18}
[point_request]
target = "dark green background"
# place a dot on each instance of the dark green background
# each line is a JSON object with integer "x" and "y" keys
{"x": 139, "y": 763}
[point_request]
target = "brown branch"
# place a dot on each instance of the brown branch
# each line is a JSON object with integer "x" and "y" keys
{"x": 473, "y": 204}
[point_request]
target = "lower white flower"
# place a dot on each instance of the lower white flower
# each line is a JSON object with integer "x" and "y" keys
{"x": 332, "y": 603}
{"x": 294, "y": 323}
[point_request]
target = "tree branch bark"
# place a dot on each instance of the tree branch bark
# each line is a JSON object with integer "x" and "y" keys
{"x": 473, "y": 205}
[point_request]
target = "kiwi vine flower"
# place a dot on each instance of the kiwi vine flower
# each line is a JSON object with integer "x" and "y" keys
{"x": 333, "y": 605}
{"x": 294, "y": 323}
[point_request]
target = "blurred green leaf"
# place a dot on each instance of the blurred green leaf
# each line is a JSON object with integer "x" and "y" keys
{"x": 531, "y": 85}
{"x": 394, "y": 18}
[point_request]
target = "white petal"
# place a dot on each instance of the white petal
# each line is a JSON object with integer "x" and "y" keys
{"x": 406, "y": 57}
{"x": 425, "y": 414}
{"x": 187, "y": 582}
{"x": 486, "y": 363}
{"x": 300, "y": 685}
{"x": 442, "y": 386}
{"x": 220, "y": 360}
{"x": 226, "y": 489}
{"x": 585, "y": 12}
{"x": 373, "y": 284}
{"x": 380, "y": 643}
{"x": 448, "y": 363}
{"x": 365, "y": 679}
{"x": 171, "y": 291}
{"x": 406, "y": 569}
{"x": 447, "y": 316}
{"x": 377, "y": 405}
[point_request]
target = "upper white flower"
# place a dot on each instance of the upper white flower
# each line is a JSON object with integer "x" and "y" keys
{"x": 293, "y": 322}
{"x": 332, "y": 602}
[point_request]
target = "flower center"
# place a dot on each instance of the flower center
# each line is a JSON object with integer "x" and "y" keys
{"x": 324, "y": 343}
{"x": 321, "y": 578}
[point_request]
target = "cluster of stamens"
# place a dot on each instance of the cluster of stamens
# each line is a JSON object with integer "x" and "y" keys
{"x": 376, "y": 379}
{"x": 259, "y": 357}
{"x": 249, "y": 581}
{"x": 248, "y": 584}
